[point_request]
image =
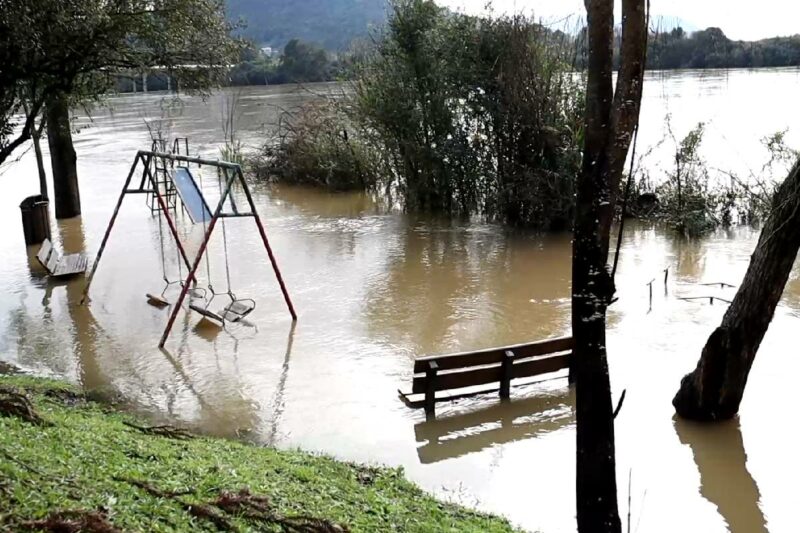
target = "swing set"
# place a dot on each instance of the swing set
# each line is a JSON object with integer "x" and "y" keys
{"x": 164, "y": 176}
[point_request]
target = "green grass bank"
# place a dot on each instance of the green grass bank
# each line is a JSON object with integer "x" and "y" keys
{"x": 70, "y": 464}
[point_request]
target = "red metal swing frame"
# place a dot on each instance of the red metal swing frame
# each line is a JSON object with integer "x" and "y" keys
{"x": 232, "y": 173}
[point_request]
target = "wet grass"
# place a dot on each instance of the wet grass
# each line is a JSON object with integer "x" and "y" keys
{"x": 89, "y": 468}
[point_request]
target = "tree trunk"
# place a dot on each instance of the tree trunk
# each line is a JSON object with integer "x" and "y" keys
{"x": 63, "y": 159}
{"x": 714, "y": 390}
{"x": 610, "y": 121}
{"x": 36, "y": 135}
{"x": 592, "y": 288}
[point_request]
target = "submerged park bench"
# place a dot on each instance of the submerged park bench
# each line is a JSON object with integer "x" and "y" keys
{"x": 59, "y": 266}
{"x": 468, "y": 370}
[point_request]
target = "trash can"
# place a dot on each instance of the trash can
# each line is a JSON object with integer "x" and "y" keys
{"x": 35, "y": 219}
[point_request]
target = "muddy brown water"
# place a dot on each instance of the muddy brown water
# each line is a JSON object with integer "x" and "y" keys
{"x": 374, "y": 289}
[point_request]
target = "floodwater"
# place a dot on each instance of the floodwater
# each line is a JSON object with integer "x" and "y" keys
{"x": 374, "y": 289}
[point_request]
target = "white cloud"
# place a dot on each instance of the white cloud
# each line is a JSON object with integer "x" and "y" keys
{"x": 739, "y": 19}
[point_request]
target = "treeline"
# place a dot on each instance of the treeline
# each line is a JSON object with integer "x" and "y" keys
{"x": 300, "y": 62}
{"x": 304, "y": 62}
{"x": 711, "y": 48}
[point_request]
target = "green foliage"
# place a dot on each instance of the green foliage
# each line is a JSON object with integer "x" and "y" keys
{"x": 86, "y": 458}
{"x": 710, "y": 48}
{"x": 685, "y": 199}
{"x": 693, "y": 201}
{"x": 475, "y": 115}
{"x": 300, "y": 62}
{"x": 316, "y": 145}
{"x": 304, "y": 62}
{"x": 332, "y": 24}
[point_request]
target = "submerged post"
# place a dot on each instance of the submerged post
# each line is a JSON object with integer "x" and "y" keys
{"x": 506, "y": 374}
{"x": 430, "y": 387}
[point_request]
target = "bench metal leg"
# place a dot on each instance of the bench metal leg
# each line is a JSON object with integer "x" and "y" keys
{"x": 506, "y": 374}
{"x": 572, "y": 377}
{"x": 430, "y": 387}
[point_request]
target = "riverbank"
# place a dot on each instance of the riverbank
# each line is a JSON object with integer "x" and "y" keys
{"x": 68, "y": 463}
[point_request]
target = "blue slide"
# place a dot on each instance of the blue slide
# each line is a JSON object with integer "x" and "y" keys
{"x": 191, "y": 196}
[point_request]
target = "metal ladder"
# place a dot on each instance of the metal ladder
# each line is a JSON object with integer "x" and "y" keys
{"x": 161, "y": 173}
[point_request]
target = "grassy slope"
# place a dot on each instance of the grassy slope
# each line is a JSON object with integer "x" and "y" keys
{"x": 72, "y": 463}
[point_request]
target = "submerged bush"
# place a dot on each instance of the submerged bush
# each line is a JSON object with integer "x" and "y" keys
{"x": 450, "y": 113}
{"x": 477, "y": 115}
{"x": 314, "y": 146}
{"x": 693, "y": 201}
{"x": 687, "y": 202}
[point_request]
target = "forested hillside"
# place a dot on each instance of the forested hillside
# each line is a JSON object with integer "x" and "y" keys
{"x": 332, "y": 24}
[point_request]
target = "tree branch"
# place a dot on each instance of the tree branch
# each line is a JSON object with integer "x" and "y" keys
{"x": 25, "y": 134}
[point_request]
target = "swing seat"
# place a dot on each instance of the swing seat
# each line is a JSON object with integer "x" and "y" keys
{"x": 207, "y": 313}
{"x": 156, "y": 301}
{"x": 237, "y": 310}
{"x": 233, "y": 312}
{"x": 242, "y": 308}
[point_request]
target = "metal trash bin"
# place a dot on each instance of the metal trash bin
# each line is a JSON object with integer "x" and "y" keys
{"x": 35, "y": 219}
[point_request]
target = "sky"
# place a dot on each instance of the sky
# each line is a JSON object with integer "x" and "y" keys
{"x": 739, "y": 19}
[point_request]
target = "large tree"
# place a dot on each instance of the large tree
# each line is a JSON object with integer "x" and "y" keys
{"x": 714, "y": 390}
{"x": 611, "y": 118}
{"x": 55, "y": 53}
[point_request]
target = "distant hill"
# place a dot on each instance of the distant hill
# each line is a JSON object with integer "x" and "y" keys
{"x": 332, "y": 24}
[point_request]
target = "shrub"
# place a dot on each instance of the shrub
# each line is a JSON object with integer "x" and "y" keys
{"x": 315, "y": 146}
{"x": 476, "y": 115}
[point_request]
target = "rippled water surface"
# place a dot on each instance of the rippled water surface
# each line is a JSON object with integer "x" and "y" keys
{"x": 375, "y": 289}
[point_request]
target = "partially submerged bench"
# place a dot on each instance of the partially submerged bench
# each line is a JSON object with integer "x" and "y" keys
{"x": 61, "y": 266}
{"x": 468, "y": 370}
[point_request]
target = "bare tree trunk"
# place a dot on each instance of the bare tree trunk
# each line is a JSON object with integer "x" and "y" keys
{"x": 36, "y": 135}
{"x": 610, "y": 121}
{"x": 63, "y": 159}
{"x": 592, "y": 289}
{"x": 714, "y": 390}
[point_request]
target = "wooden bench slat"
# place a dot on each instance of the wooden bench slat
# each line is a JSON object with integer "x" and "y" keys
{"x": 69, "y": 265}
{"x": 492, "y": 374}
{"x": 494, "y": 355}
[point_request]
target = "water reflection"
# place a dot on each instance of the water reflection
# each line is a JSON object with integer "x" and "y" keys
{"x": 718, "y": 450}
{"x": 279, "y": 399}
{"x": 452, "y": 286}
{"x": 448, "y": 437}
{"x": 73, "y": 240}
